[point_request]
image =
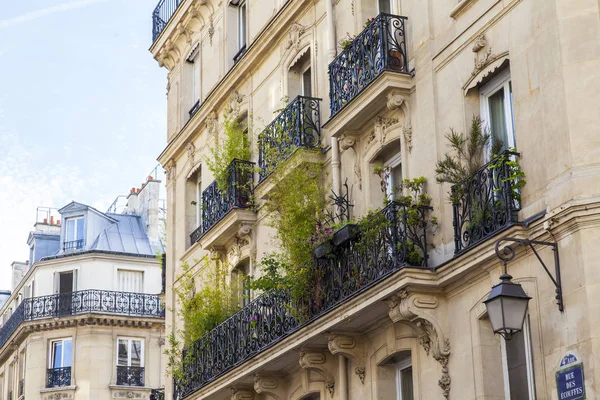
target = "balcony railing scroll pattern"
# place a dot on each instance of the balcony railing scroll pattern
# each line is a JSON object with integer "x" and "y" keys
{"x": 130, "y": 376}
{"x": 58, "y": 377}
{"x": 484, "y": 204}
{"x": 271, "y": 317}
{"x": 162, "y": 14}
{"x": 82, "y": 302}
{"x": 380, "y": 47}
{"x": 217, "y": 204}
{"x": 297, "y": 126}
{"x": 73, "y": 245}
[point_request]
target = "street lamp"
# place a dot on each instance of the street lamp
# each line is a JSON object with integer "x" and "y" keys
{"x": 507, "y": 302}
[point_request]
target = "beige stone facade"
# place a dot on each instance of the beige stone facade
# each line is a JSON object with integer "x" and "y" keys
{"x": 545, "y": 57}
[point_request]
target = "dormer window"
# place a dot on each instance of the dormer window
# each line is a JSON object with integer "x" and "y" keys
{"x": 74, "y": 234}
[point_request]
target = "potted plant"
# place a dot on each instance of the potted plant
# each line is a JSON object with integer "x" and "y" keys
{"x": 322, "y": 240}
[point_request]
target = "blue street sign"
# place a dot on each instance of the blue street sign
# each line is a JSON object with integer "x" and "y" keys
{"x": 570, "y": 381}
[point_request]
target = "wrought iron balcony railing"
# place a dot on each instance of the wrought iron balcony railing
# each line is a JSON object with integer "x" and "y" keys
{"x": 58, "y": 377}
{"x": 82, "y": 302}
{"x": 130, "y": 376}
{"x": 485, "y": 203}
{"x": 380, "y": 47}
{"x": 73, "y": 245}
{"x": 217, "y": 204}
{"x": 162, "y": 14}
{"x": 298, "y": 125}
{"x": 352, "y": 268}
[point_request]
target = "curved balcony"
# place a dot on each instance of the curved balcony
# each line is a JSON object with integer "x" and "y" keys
{"x": 484, "y": 204}
{"x": 380, "y": 47}
{"x": 353, "y": 267}
{"x": 162, "y": 15}
{"x": 82, "y": 302}
{"x": 297, "y": 126}
{"x": 216, "y": 205}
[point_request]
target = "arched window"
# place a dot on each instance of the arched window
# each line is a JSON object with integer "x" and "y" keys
{"x": 395, "y": 377}
{"x": 300, "y": 76}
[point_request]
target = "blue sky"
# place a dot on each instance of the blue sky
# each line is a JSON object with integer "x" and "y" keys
{"x": 82, "y": 109}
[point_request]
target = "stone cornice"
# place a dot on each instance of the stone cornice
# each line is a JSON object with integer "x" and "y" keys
{"x": 219, "y": 96}
{"x": 47, "y": 324}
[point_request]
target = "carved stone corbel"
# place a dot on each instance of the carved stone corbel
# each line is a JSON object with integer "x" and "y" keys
{"x": 414, "y": 309}
{"x": 241, "y": 394}
{"x": 186, "y": 33}
{"x": 235, "y": 100}
{"x": 346, "y": 142}
{"x": 191, "y": 151}
{"x": 395, "y": 101}
{"x": 295, "y": 33}
{"x": 349, "y": 347}
{"x": 170, "y": 169}
{"x": 315, "y": 361}
{"x": 269, "y": 385}
{"x": 212, "y": 121}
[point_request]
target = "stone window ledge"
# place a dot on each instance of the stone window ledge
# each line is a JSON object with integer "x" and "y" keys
{"x": 58, "y": 389}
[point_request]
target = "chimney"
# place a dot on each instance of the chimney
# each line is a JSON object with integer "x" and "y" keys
{"x": 52, "y": 220}
{"x": 148, "y": 209}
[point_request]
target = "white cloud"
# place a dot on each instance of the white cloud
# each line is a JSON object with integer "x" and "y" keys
{"x": 33, "y": 15}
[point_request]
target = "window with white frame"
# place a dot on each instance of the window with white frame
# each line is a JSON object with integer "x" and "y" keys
{"x": 517, "y": 366}
{"x": 130, "y": 352}
{"x": 74, "y": 233}
{"x": 198, "y": 182}
{"x": 193, "y": 66}
{"x": 393, "y": 176}
{"x": 404, "y": 379}
{"x": 130, "y": 281}
{"x": 61, "y": 354}
{"x": 497, "y": 112}
{"x": 242, "y": 24}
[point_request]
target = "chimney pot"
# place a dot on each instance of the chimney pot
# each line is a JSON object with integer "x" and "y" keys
{"x": 58, "y": 222}
{"x": 52, "y": 220}
{"x": 45, "y": 220}
{"x": 150, "y": 177}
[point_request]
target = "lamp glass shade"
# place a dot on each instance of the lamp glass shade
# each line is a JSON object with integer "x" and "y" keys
{"x": 507, "y": 307}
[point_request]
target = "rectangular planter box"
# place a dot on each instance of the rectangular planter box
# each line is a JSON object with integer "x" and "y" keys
{"x": 345, "y": 234}
{"x": 324, "y": 249}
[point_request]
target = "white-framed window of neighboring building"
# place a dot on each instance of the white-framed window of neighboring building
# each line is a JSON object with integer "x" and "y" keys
{"x": 194, "y": 64}
{"x": 130, "y": 352}
{"x": 74, "y": 233}
{"x": 496, "y": 105}
{"x": 242, "y": 15}
{"x": 130, "y": 281}
{"x": 393, "y": 176}
{"x": 60, "y": 353}
{"x": 404, "y": 379}
{"x": 517, "y": 365}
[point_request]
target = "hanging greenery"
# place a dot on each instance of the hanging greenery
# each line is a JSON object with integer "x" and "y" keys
{"x": 200, "y": 309}
{"x": 235, "y": 145}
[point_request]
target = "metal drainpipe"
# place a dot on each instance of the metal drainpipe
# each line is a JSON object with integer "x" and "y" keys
{"x": 331, "y": 50}
{"x": 343, "y": 377}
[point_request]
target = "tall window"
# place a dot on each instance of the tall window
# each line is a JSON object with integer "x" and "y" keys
{"x": 130, "y": 362}
{"x": 74, "y": 233}
{"x": 240, "y": 278}
{"x": 517, "y": 366}
{"x": 130, "y": 281}
{"x": 393, "y": 176}
{"x": 60, "y": 354}
{"x": 198, "y": 187}
{"x": 300, "y": 77}
{"x": 242, "y": 25}
{"x": 497, "y": 111}
{"x": 21, "y": 373}
{"x": 307, "y": 83}
{"x": 404, "y": 379}
{"x": 194, "y": 68}
{"x": 130, "y": 352}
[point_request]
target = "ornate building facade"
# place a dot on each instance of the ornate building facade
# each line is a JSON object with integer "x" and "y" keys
{"x": 370, "y": 90}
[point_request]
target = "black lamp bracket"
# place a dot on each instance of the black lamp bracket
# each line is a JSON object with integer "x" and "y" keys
{"x": 507, "y": 253}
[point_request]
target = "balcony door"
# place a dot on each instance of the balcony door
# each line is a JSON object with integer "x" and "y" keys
{"x": 64, "y": 287}
{"x": 130, "y": 362}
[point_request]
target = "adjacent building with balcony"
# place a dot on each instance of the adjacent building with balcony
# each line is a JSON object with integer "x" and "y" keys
{"x": 85, "y": 319}
{"x": 370, "y": 89}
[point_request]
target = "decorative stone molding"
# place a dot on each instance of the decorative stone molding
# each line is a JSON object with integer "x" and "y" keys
{"x": 212, "y": 120}
{"x": 348, "y": 142}
{"x": 269, "y": 385}
{"x": 349, "y": 347}
{"x": 170, "y": 169}
{"x": 413, "y": 308}
{"x": 58, "y": 396}
{"x": 315, "y": 361}
{"x": 235, "y": 100}
{"x": 395, "y": 101}
{"x": 380, "y": 128}
{"x": 129, "y": 394}
{"x": 241, "y": 394}
{"x": 485, "y": 62}
{"x": 191, "y": 151}
{"x": 295, "y": 32}
{"x": 186, "y": 33}
{"x": 211, "y": 29}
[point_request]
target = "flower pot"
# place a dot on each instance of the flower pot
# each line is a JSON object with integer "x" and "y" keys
{"x": 324, "y": 249}
{"x": 345, "y": 234}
